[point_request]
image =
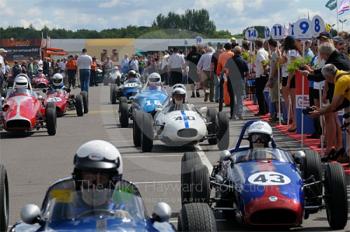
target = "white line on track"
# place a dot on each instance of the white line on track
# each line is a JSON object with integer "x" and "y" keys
{"x": 204, "y": 158}
{"x": 156, "y": 182}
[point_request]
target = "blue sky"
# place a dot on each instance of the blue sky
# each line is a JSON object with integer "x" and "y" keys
{"x": 232, "y": 15}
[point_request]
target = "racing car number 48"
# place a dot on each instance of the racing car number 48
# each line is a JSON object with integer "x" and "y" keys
{"x": 268, "y": 178}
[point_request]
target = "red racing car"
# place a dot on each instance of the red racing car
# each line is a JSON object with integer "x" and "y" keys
{"x": 40, "y": 81}
{"x": 23, "y": 110}
{"x": 65, "y": 101}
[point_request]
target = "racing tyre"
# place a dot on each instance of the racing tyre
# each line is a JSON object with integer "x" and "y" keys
{"x": 146, "y": 132}
{"x": 223, "y": 133}
{"x": 190, "y": 164}
{"x": 312, "y": 166}
{"x": 113, "y": 94}
{"x": 196, "y": 217}
{"x": 4, "y": 199}
{"x": 124, "y": 114}
{"x": 211, "y": 118}
{"x": 85, "y": 96}
{"x": 79, "y": 105}
{"x": 123, "y": 99}
{"x": 136, "y": 131}
{"x": 336, "y": 196}
{"x": 51, "y": 120}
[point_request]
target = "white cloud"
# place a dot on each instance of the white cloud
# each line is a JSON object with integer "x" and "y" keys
{"x": 108, "y": 4}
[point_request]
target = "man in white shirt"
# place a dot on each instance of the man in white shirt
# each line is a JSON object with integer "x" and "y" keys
{"x": 204, "y": 70}
{"x": 2, "y": 60}
{"x": 84, "y": 62}
{"x": 261, "y": 65}
{"x": 175, "y": 64}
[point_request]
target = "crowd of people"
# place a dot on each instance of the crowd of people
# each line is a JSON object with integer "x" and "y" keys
{"x": 250, "y": 67}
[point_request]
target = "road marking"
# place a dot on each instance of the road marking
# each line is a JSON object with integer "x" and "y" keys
{"x": 151, "y": 156}
{"x": 204, "y": 158}
{"x": 156, "y": 182}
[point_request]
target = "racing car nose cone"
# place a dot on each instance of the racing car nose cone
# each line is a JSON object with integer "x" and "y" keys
{"x": 273, "y": 198}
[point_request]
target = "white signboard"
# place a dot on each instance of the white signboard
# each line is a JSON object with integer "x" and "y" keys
{"x": 303, "y": 29}
{"x": 251, "y": 34}
{"x": 277, "y": 32}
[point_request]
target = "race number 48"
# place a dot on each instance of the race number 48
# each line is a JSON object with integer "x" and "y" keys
{"x": 269, "y": 178}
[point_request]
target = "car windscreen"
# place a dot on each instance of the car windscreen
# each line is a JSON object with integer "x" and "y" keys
{"x": 261, "y": 154}
{"x": 66, "y": 205}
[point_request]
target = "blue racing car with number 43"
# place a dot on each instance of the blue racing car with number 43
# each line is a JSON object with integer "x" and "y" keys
{"x": 262, "y": 185}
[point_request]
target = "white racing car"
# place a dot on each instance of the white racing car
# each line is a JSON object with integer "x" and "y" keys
{"x": 187, "y": 126}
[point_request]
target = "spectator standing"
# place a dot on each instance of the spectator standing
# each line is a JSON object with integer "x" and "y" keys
{"x": 71, "y": 67}
{"x": 223, "y": 58}
{"x": 93, "y": 72}
{"x": 204, "y": 69}
{"x": 214, "y": 63}
{"x": 261, "y": 77}
{"x": 176, "y": 63}
{"x": 2, "y": 67}
{"x": 164, "y": 67}
{"x": 134, "y": 64}
{"x": 192, "y": 59}
{"x": 46, "y": 67}
{"x": 124, "y": 64}
{"x": 84, "y": 65}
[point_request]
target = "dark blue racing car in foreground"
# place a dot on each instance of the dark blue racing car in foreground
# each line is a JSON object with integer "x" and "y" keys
{"x": 267, "y": 186}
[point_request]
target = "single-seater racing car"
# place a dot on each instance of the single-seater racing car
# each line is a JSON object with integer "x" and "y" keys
{"x": 179, "y": 124}
{"x": 262, "y": 185}
{"x": 23, "y": 110}
{"x": 127, "y": 89}
{"x": 151, "y": 98}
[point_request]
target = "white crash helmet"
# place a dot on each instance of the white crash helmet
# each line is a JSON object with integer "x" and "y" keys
{"x": 259, "y": 132}
{"x": 154, "y": 78}
{"x": 179, "y": 91}
{"x": 57, "y": 79}
{"x": 21, "y": 82}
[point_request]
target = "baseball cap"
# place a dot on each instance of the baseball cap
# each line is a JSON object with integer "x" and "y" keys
{"x": 324, "y": 35}
{"x": 3, "y": 50}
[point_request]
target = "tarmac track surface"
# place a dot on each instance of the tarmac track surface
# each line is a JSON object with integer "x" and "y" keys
{"x": 35, "y": 161}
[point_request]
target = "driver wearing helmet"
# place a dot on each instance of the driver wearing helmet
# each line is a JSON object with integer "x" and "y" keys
{"x": 259, "y": 134}
{"x": 98, "y": 169}
{"x": 57, "y": 82}
{"x": 132, "y": 74}
{"x": 178, "y": 97}
{"x": 154, "y": 80}
{"x": 21, "y": 85}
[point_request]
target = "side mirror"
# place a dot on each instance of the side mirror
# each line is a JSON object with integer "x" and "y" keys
{"x": 224, "y": 154}
{"x": 299, "y": 157}
{"x": 30, "y": 214}
{"x": 161, "y": 212}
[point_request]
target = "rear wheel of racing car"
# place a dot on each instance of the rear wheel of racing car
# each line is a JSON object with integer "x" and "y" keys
{"x": 85, "y": 101}
{"x": 113, "y": 94}
{"x": 123, "y": 99}
{"x": 336, "y": 196}
{"x": 4, "y": 199}
{"x": 194, "y": 179}
{"x": 312, "y": 166}
{"x": 51, "y": 120}
{"x": 146, "y": 132}
{"x": 136, "y": 131}
{"x": 223, "y": 133}
{"x": 79, "y": 105}
{"x": 124, "y": 114}
{"x": 211, "y": 118}
{"x": 196, "y": 217}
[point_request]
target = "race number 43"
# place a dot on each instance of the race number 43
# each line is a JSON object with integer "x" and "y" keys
{"x": 269, "y": 178}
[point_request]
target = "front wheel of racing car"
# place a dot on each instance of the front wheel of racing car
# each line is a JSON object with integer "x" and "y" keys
{"x": 85, "y": 96}
{"x": 113, "y": 94}
{"x": 4, "y": 199}
{"x": 196, "y": 217}
{"x": 124, "y": 114}
{"x": 195, "y": 186}
{"x": 211, "y": 118}
{"x": 223, "y": 131}
{"x": 336, "y": 196}
{"x": 79, "y": 105}
{"x": 312, "y": 171}
{"x": 51, "y": 118}
{"x": 146, "y": 132}
{"x": 136, "y": 131}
